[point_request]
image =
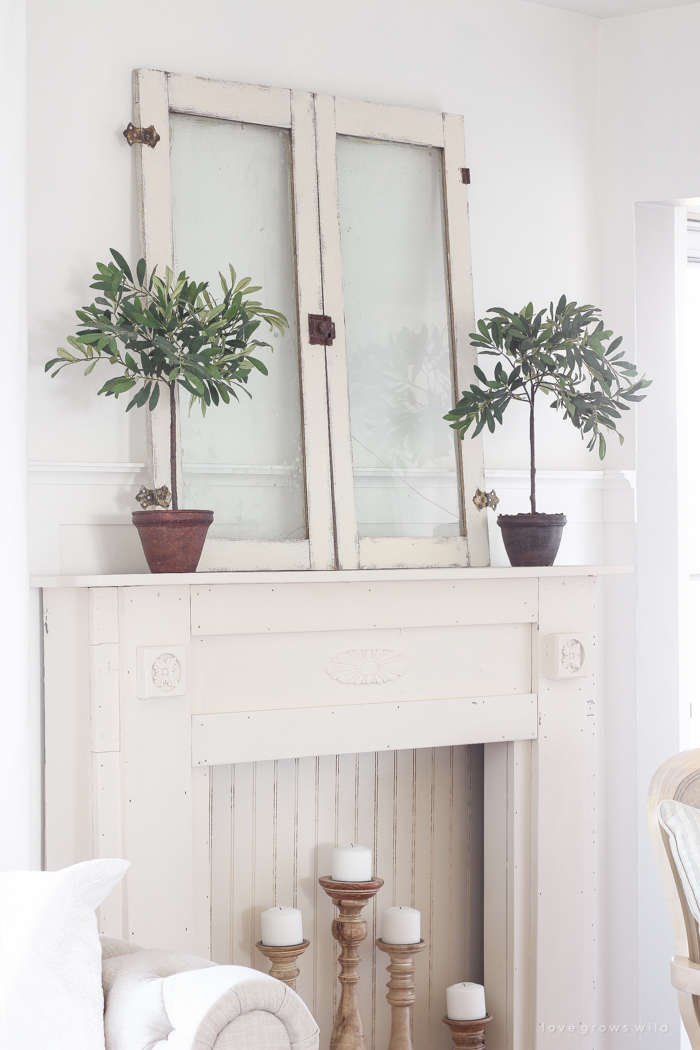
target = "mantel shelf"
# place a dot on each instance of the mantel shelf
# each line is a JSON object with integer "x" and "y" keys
{"x": 505, "y": 572}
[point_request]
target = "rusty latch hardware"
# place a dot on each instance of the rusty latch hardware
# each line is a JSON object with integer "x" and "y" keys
{"x": 321, "y": 330}
{"x": 485, "y": 499}
{"x": 153, "y": 497}
{"x": 148, "y": 136}
{"x": 466, "y": 176}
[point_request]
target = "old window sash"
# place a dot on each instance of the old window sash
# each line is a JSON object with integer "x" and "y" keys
{"x": 361, "y": 120}
{"x": 314, "y": 123}
{"x": 156, "y": 96}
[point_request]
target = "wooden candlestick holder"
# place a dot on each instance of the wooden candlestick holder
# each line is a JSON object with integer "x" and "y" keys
{"x": 402, "y": 990}
{"x": 349, "y": 930}
{"x": 284, "y": 960}
{"x": 469, "y": 1034}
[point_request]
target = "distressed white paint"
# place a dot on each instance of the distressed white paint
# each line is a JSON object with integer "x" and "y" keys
{"x": 315, "y": 123}
{"x": 255, "y": 741}
{"x": 459, "y": 273}
{"x": 298, "y": 732}
{"x": 150, "y": 88}
{"x": 288, "y": 670}
{"x": 228, "y": 101}
{"x": 317, "y": 462}
{"x": 274, "y": 825}
{"x": 262, "y": 607}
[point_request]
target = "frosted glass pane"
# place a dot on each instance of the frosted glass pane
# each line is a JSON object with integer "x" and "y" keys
{"x": 232, "y": 204}
{"x": 398, "y": 338}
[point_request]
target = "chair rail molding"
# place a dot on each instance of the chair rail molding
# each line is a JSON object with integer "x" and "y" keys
{"x": 354, "y": 666}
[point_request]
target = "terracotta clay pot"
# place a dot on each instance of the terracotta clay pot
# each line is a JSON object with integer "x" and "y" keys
{"x": 172, "y": 540}
{"x": 531, "y": 539}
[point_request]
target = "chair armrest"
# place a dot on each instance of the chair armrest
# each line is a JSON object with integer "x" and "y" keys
{"x": 207, "y": 1004}
{"x": 685, "y": 975}
{"x": 158, "y": 999}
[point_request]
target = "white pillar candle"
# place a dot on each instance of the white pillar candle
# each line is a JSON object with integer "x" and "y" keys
{"x": 401, "y": 926}
{"x": 351, "y": 863}
{"x": 281, "y": 926}
{"x": 466, "y": 1002}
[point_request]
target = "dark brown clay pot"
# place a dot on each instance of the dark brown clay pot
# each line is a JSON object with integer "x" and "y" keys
{"x": 531, "y": 539}
{"x": 172, "y": 540}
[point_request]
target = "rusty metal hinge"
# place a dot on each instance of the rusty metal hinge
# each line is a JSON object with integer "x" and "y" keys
{"x": 153, "y": 497}
{"x": 148, "y": 136}
{"x": 321, "y": 330}
{"x": 466, "y": 175}
{"x": 481, "y": 500}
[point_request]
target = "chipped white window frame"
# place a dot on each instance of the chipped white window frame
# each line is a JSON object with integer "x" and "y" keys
{"x": 314, "y": 122}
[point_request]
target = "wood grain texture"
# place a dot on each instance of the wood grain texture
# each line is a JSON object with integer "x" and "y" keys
{"x": 274, "y": 825}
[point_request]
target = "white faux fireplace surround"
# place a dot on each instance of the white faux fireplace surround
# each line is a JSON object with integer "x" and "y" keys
{"x": 150, "y": 682}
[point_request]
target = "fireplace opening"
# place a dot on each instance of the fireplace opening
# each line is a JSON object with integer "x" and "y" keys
{"x": 274, "y": 825}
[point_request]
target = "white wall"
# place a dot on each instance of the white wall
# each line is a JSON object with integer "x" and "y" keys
{"x": 523, "y": 75}
{"x": 17, "y": 718}
{"x": 649, "y": 151}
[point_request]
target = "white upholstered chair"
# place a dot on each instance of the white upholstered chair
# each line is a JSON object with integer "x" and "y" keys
{"x": 162, "y": 999}
{"x": 678, "y": 779}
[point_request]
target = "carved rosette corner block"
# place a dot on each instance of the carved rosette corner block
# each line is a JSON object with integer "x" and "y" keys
{"x": 284, "y": 960}
{"x": 468, "y": 1035}
{"x": 567, "y": 655}
{"x": 349, "y": 930}
{"x": 160, "y": 671}
{"x": 402, "y": 990}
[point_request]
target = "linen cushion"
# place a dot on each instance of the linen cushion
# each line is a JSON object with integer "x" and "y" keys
{"x": 682, "y": 824}
{"x": 257, "y": 1030}
{"x": 50, "y": 956}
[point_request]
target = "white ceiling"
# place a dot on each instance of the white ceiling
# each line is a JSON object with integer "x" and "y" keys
{"x": 611, "y": 8}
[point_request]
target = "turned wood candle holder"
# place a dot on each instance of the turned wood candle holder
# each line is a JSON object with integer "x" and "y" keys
{"x": 468, "y": 1034}
{"x": 349, "y": 930}
{"x": 402, "y": 990}
{"x": 284, "y": 960}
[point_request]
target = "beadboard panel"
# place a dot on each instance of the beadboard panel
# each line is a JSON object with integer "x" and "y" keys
{"x": 274, "y": 825}
{"x": 274, "y": 672}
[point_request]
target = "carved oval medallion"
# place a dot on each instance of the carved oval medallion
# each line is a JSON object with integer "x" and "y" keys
{"x": 166, "y": 672}
{"x": 367, "y": 666}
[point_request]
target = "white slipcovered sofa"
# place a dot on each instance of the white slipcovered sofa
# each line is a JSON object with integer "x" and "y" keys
{"x": 163, "y": 1000}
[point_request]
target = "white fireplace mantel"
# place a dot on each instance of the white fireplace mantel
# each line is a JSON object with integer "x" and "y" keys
{"x": 152, "y": 681}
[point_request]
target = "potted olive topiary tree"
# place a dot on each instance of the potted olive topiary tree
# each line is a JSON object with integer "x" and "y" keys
{"x": 162, "y": 334}
{"x": 561, "y": 352}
